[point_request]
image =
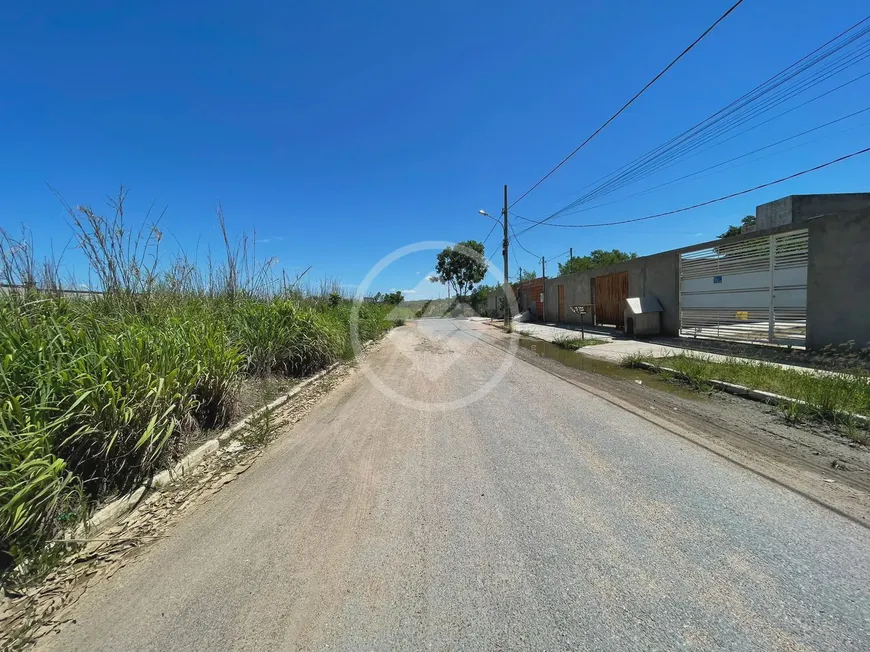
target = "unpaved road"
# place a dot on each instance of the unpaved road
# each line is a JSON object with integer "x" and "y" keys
{"x": 540, "y": 517}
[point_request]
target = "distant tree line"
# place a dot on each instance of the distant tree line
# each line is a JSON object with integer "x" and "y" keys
{"x": 393, "y": 298}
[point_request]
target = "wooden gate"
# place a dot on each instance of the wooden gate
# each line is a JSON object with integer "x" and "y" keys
{"x": 611, "y": 291}
{"x": 561, "y": 289}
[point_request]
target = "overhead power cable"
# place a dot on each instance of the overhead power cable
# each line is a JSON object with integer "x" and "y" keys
{"x": 679, "y": 151}
{"x": 520, "y": 244}
{"x": 630, "y": 102}
{"x": 490, "y": 233}
{"x": 708, "y": 202}
{"x": 718, "y": 165}
{"x": 740, "y": 111}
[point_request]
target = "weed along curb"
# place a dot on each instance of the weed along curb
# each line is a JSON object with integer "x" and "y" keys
{"x": 107, "y": 515}
{"x": 746, "y": 392}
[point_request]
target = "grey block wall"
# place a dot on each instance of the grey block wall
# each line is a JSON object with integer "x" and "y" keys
{"x": 656, "y": 275}
{"x": 799, "y": 208}
{"x": 838, "y": 281}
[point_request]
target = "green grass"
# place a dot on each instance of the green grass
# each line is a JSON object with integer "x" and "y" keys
{"x": 402, "y": 313}
{"x": 99, "y": 394}
{"x": 100, "y": 391}
{"x": 825, "y": 397}
{"x": 573, "y": 343}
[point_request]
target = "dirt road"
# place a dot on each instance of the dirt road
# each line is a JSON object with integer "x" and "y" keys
{"x": 539, "y": 517}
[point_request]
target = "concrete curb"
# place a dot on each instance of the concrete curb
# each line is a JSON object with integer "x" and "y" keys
{"x": 746, "y": 392}
{"x": 114, "y": 510}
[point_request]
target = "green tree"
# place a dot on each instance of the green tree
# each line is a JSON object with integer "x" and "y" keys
{"x": 595, "y": 259}
{"x": 528, "y": 275}
{"x": 749, "y": 220}
{"x": 462, "y": 266}
{"x": 394, "y": 298}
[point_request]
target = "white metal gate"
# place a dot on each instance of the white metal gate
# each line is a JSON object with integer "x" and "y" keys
{"x": 754, "y": 290}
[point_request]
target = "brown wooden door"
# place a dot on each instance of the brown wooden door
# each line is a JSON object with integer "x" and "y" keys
{"x": 611, "y": 291}
{"x": 561, "y": 289}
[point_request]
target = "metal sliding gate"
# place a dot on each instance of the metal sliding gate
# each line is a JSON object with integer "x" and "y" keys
{"x": 754, "y": 290}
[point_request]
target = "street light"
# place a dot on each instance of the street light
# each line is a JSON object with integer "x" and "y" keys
{"x": 485, "y": 214}
{"x": 504, "y": 250}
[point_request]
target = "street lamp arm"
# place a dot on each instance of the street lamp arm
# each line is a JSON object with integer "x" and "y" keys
{"x": 485, "y": 214}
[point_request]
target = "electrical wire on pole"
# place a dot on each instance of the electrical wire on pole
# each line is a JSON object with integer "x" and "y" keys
{"x": 742, "y": 110}
{"x": 710, "y": 201}
{"x": 490, "y": 233}
{"x": 630, "y": 102}
{"x": 727, "y": 161}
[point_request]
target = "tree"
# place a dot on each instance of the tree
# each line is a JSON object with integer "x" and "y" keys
{"x": 394, "y": 298}
{"x": 595, "y": 259}
{"x": 528, "y": 275}
{"x": 749, "y": 220}
{"x": 462, "y": 266}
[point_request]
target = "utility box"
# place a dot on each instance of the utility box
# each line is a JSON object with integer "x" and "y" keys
{"x": 643, "y": 316}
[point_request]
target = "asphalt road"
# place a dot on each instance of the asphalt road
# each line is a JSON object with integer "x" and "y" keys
{"x": 539, "y": 517}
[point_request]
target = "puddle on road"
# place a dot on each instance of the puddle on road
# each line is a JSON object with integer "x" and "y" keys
{"x": 593, "y": 365}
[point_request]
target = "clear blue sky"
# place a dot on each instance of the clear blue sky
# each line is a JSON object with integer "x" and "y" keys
{"x": 341, "y": 131}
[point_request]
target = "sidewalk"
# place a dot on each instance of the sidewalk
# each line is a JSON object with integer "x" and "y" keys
{"x": 616, "y": 346}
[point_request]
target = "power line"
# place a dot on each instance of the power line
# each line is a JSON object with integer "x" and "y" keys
{"x": 711, "y": 201}
{"x": 490, "y": 233}
{"x": 564, "y": 212}
{"x": 630, "y": 102}
{"x": 666, "y": 158}
{"x": 567, "y": 251}
{"x": 695, "y": 136}
{"x": 730, "y": 160}
{"x": 654, "y": 160}
{"x": 520, "y": 244}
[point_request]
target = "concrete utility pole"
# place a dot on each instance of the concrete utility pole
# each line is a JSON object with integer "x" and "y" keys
{"x": 507, "y": 308}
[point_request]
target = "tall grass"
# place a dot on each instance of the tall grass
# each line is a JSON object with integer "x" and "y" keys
{"x": 100, "y": 392}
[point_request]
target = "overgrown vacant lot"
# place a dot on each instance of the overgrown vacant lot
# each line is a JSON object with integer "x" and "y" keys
{"x": 100, "y": 391}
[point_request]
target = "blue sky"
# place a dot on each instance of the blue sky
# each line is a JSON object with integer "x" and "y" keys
{"x": 342, "y": 131}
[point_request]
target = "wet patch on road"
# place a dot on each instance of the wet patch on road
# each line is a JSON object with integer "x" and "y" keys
{"x": 582, "y": 362}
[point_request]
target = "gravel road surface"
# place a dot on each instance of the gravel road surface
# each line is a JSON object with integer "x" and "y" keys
{"x": 538, "y": 518}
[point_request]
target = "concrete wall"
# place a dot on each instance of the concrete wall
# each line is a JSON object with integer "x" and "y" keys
{"x": 656, "y": 275}
{"x": 799, "y": 208}
{"x": 773, "y": 214}
{"x": 838, "y": 274}
{"x": 838, "y": 280}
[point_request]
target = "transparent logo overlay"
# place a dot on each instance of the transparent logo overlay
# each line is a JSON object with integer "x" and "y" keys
{"x": 437, "y": 347}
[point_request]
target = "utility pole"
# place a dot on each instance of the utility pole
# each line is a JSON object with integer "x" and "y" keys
{"x": 543, "y": 287}
{"x": 570, "y": 253}
{"x": 507, "y": 308}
